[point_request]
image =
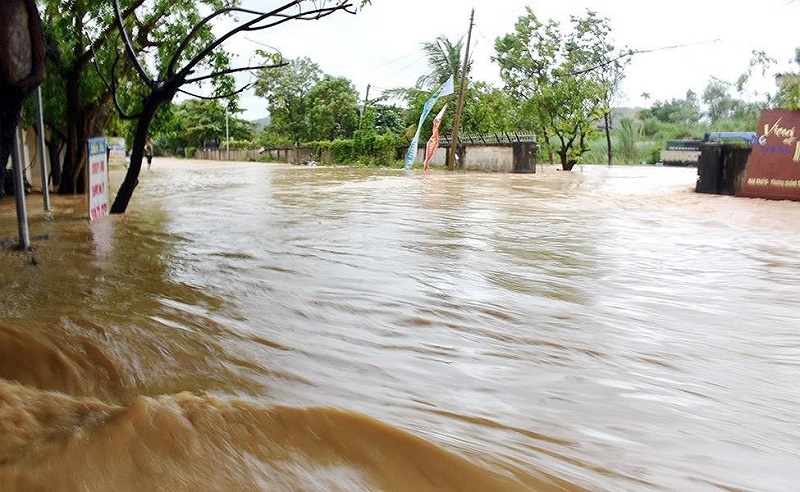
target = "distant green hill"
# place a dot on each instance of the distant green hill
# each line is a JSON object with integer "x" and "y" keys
{"x": 261, "y": 123}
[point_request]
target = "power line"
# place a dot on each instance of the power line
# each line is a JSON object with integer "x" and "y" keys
{"x": 406, "y": 67}
{"x": 630, "y": 53}
{"x": 397, "y": 59}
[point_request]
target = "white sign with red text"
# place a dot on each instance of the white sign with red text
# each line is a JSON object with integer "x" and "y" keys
{"x": 98, "y": 178}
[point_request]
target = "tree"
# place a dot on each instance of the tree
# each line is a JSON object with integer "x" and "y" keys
{"x": 487, "y": 109}
{"x": 21, "y": 68}
{"x": 201, "y": 123}
{"x": 604, "y": 63}
{"x": 192, "y": 53}
{"x": 719, "y": 102}
{"x": 286, "y": 90}
{"x": 444, "y": 60}
{"x": 551, "y": 75}
{"x": 332, "y": 109}
{"x": 723, "y": 108}
{"x": 681, "y": 111}
{"x": 306, "y": 104}
{"x": 789, "y": 87}
{"x": 388, "y": 118}
{"x": 82, "y": 36}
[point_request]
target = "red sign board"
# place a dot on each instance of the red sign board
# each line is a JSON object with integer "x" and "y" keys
{"x": 773, "y": 169}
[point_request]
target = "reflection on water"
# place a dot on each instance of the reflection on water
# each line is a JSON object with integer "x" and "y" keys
{"x": 257, "y": 327}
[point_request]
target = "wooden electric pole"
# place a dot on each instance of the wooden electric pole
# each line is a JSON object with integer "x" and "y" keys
{"x": 451, "y": 157}
{"x": 364, "y": 108}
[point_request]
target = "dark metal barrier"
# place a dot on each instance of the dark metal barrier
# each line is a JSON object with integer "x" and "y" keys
{"x": 524, "y": 157}
{"x": 721, "y": 166}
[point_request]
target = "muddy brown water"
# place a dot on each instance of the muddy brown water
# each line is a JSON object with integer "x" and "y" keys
{"x": 265, "y": 327}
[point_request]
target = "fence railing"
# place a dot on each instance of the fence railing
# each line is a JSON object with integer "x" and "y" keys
{"x": 490, "y": 138}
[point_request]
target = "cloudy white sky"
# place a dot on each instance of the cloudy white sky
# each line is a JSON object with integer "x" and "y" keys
{"x": 380, "y": 45}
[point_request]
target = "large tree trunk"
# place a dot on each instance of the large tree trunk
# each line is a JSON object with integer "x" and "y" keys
{"x": 72, "y": 156}
{"x": 54, "y": 148}
{"x": 21, "y": 67}
{"x": 137, "y": 153}
{"x": 9, "y": 117}
{"x": 88, "y": 121}
{"x": 563, "y": 153}
{"x": 562, "y": 156}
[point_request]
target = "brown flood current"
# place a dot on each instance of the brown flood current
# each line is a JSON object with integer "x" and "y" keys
{"x": 262, "y": 327}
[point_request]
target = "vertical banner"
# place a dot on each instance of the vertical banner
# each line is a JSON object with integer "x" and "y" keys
{"x": 446, "y": 89}
{"x": 773, "y": 169}
{"x": 433, "y": 142}
{"x": 98, "y": 178}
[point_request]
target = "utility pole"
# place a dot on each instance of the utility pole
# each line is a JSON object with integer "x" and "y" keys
{"x": 19, "y": 195}
{"x": 364, "y": 108}
{"x": 42, "y": 150}
{"x": 451, "y": 158}
{"x": 227, "y": 136}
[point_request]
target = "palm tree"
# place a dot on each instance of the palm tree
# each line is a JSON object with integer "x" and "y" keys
{"x": 444, "y": 60}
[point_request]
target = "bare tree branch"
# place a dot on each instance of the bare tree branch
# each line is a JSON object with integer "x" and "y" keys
{"x": 106, "y": 34}
{"x": 200, "y": 25}
{"x": 111, "y": 86}
{"x": 129, "y": 47}
{"x": 253, "y": 25}
{"x": 221, "y": 96}
{"x": 234, "y": 70}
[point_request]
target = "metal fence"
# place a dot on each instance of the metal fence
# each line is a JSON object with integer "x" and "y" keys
{"x": 490, "y": 138}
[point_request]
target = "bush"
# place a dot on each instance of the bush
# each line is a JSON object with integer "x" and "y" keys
{"x": 241, "y": 144}
{"x": 341, "y": 151}
{"x": 365, "y": 148}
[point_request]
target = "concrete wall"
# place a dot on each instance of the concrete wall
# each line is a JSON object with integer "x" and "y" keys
{"x": 224, "y": 155}
{"x": 486, "y": 158}
{"x": 686, "y": 157}
{"x": 489, "y": 158}
{"x": 29, "y": 150}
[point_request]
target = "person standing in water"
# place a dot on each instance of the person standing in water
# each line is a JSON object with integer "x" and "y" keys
{"x": 148, "y": 152}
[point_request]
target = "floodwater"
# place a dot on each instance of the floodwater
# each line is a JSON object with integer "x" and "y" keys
{"x": 262, "y": 327}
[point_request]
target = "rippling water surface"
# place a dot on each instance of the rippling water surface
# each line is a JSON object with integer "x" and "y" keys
{"x": 260, "y": 327}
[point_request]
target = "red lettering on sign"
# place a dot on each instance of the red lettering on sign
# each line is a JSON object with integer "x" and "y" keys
{"x": 97, "y": 189}
{"x": 98, "y": 211}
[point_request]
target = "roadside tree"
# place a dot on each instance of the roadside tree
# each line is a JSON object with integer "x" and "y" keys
{"x": 554, "y": 78}
{"x": 332, "y": 109}
{"x": 444, "y": 60}
{"x": 286, "y": 90}
{"x": 789, "y": 87}
{"x": 200, "y": 123}
{"x": 192, "y": 53}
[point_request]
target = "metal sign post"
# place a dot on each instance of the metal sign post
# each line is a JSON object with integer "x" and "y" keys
{"x": 42, "y": 152}
{"x": 19, "y": 196}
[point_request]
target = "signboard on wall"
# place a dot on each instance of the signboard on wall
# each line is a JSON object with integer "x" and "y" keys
{"x": 773, "y": 169}
{"x": 98, "y": 178}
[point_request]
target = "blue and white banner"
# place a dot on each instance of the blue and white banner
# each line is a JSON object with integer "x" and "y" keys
{"x": 446, "y": 89}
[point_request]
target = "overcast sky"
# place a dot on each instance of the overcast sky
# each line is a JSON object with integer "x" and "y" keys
{"x": 380, "y": 45}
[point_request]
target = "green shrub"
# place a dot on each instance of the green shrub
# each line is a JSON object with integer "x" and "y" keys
{"x": 341, "y": 151}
